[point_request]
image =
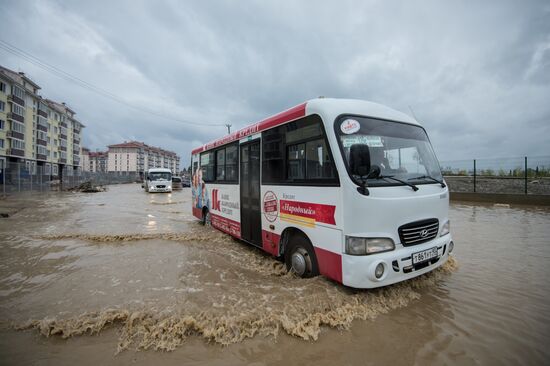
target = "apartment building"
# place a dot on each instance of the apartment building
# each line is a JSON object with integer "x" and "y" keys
{"x": 138, "y": 157}
{"x": 37, "y": 133}
{"x": 95, "y": 162}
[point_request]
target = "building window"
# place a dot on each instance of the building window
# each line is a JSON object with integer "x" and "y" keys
{"x": 17, "y": 127}
{"x": 17, "y": 109}
{"x": 2, "y": 106}
{"x": 2, "y": 124}
{"x": 17, "y": 144}
{"x": 1, "y": 143}
{"x": 2, "y": 87}
{"x": 18, "y": 92}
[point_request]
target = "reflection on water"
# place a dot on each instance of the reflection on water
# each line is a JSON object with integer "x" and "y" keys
{"x": 74, "y": 264}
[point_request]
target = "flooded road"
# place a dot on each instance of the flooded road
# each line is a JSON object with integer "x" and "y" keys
{"x": 123, "y": 276}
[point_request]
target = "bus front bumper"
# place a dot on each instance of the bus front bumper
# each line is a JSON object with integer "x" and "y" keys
{"x": 359, "y": 271}
{"x": 158, "y": 189}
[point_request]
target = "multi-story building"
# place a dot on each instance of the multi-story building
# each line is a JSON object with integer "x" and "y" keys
{"x": 95, "y": 162}
{"x": 41, "y": 135}
{"x": 138, "y": 157}
{"x": 66, "y": 136}
{"x": 85, "y": 159}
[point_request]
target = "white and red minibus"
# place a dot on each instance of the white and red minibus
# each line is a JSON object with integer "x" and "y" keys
{"x": 348, "y": 189}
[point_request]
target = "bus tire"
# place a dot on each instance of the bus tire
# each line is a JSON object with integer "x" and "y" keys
{"x": 300, "y": 257}
{"x": 206, "y": 218}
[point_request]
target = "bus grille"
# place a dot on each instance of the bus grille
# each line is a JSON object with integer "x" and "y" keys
{"x": 418, "y": 232}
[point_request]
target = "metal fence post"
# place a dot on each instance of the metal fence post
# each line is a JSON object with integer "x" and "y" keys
{"x": 474, "y": 175}
{"x": 30, "y": 173}
{"x": 526, "y": 175}
{"x": 19, "y": 177}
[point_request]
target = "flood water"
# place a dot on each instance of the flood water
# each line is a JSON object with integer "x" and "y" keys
{"x": 128, "y": 277}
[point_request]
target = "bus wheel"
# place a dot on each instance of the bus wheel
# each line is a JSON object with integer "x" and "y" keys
{"x": 206, "y": 218}
{"x": 300, "y": 257}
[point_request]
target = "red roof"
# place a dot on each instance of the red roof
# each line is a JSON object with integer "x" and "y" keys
{"x": 278, "y": 119}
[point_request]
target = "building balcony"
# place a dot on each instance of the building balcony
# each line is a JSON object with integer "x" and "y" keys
{"x": 76, "y": 151}
{"x": 15, "y": 99}
{"x": 41, "y": 142}
{"x": 63, "y": 124}
{"x": 62, "y": 161}
{"x": 42, "y": 127}
{"x": 42, "y": 113}
{"x": 63, "y": 148}
{"x": 15, "y": 135}
{"x": 16, "y": 117}
{"x": 76, "y": 141}
{"x": 63, "y": 137}
{"x": 16, "y": 152}
{"x": 41, "y": 157}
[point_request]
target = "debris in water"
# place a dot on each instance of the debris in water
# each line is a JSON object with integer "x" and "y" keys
{"x": 87, "y": 187}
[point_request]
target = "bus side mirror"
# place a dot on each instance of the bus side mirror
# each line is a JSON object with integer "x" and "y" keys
{"x": 359, "y": 159}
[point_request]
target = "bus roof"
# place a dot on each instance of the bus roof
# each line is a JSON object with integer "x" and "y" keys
{"x": 323, "y": 106}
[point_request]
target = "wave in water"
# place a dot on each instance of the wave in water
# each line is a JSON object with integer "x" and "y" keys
{"x": 166, "y": 329}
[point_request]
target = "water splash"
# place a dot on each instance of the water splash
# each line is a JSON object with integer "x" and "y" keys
{"x": 165, "y": 329}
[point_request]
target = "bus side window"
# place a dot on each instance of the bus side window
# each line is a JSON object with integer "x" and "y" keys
{"x": 273, "y": 170}
{"x": 296, "y": 161}
{"x": 232, "y": 163}
{"x": 318, "y": 162}
{"x": 207, "y": 166}
{"x": 297, "y": 152}
{"x": 220, "y": 164}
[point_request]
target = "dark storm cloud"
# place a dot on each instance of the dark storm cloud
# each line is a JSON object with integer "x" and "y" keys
{"x": 475, "y": 73}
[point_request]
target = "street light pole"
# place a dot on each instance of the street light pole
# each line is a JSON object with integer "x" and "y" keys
{"x": 228, "y": 128}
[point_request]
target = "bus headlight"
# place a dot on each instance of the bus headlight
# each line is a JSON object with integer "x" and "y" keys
{"x": 446, "y": 228}
{"x": 364, "y": 246}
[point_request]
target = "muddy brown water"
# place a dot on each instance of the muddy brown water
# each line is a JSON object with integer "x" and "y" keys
{"x": 127, "y": 277}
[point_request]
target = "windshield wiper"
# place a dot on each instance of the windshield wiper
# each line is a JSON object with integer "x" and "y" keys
{"x": 443, "y": 185}
{"x": 415, "y": 188}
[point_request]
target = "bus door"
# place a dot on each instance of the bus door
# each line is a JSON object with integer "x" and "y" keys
{"x": 251, "y": 223}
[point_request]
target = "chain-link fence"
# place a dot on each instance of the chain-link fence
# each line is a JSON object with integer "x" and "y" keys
{"x": 525, "y": 175}
{"x": 26, "y": 176}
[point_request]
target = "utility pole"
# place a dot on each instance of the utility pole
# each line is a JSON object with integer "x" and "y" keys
{"x": 228, "y": 128}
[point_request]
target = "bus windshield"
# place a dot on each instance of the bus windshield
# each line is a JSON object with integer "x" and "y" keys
{"x": 400, "y": 150}
{"x": 159, "y": 176}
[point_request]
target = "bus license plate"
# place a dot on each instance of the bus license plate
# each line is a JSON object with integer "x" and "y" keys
{"x": 424, "y": 255}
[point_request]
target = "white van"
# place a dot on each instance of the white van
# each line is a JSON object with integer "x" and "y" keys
{"x": 158, "y": 180}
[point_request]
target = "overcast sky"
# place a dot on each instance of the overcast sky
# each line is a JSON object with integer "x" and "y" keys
{"x": 476, "y": 74}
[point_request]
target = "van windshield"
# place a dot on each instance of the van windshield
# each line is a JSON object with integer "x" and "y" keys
{"x": 160, "y": 176}
{"x": 400, "y": 150}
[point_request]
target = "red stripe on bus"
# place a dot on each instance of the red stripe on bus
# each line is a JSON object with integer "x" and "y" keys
{"x": 278, "y": 119}
{"x": 330, "y": 264}
{"x": 270, "y": 242}
{"x": 317, "y": 211}
{"x": 226, "y": 225}
{"x": 197, "y": 212}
